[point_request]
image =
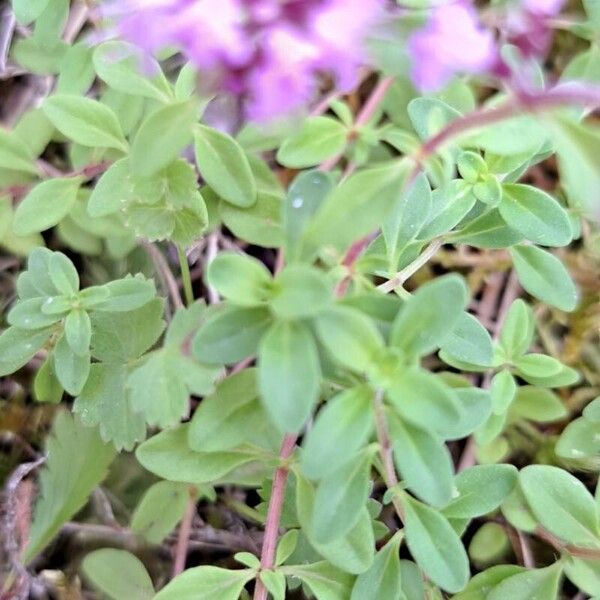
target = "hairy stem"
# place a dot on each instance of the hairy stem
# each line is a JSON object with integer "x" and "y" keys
{"x": 267, "y": 556}
{"x": 185, "y": 276}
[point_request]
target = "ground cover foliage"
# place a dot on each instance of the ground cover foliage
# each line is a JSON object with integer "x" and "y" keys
{"x": 279, "y": 328}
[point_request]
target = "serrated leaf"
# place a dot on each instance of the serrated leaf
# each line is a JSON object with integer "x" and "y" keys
{"x": 77, "y": 462}
{"x": 118, "y": 574}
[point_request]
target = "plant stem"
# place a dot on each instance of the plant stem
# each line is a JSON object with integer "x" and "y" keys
{"x": 267, "y": 556}
{"x": 385, "y": 449}
{"x": 183, "y": 537}
{"x": 185, "y": 276}
{"x": 412, "y": 268}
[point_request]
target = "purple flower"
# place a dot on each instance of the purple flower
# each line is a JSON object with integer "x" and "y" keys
{"x": 528, "y": 27}
{"x": 269, "y": 53}
{"x": 453, "y": 41}
{"x": 548, "y": 8}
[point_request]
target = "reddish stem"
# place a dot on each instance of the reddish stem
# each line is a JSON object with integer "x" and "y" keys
{"x": 183, "y": 538}
{"x": 267, "y": 556}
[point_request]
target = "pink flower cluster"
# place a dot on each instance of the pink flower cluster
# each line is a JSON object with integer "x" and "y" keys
{"x": 454, "y": 41}
{"x": 266, "y": 52}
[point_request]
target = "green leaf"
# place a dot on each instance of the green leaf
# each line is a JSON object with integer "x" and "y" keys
{"x": 585, "y": 574}
{"x": 383, "y": 579}
{"x": 341, "y": 429}
{"x": 339, "y": 498}
{"x": 18, "y": 346}
{"x": 159, "y": 510}
{"x": 63, "y": 274}
{"x": 424, "y": 462}
{"x": 300, "y": 291}
{"x": 518, "y": 329}
{"x": 124, "y": 68}
{"x": 224, "y": 166}
{"x": 161, "y": 137}
{"x": 537, "y": 404}
{"x": 538, "y": 365}
{"x": 305, "y": 195}
{"x": 78, "y": 332}
{"x": 545, "y": 277}
{"x": 578, "y": 160}
{"x": 206, "y": 583}
{"x": 76, "y": 70}
{"x": 260, "y": 224}
{"x": 46, "y": 204}
{"x": 430, "y": 315}
{"x": 274, "y": 581}
{"x": 230, "y": 416}
{"x": 425, "y": 400}
{"x": 157, "y": 389}
{"x": 103, "y": 401}
{"x": 15, "y": 154}
{"x": 112, "y": 190}
{"x": 168, "y": 455}
{"x": 231, "y": 334}
{"x": 29, "y": 315}
{"x": 351, "y": 337}
{"x": 46, "y": 387}
{"x": 488, "y": 230}
{"x": 354, "y": 552}
{"x": 71, "y": 369}
{"x": 562, "y": 504}
{"x": 483, "y": 583}
{"x": 325, "y": 581}
{"x": 409, "y": 214}
{"x": 580, "y": 439}
{"x": 534, "y": 584}
{"x": 128, "y": 294}
{"x": 118, "y": 574}
{"x": 240, "y": 278}
{"x": 489, "y": 544}
{"x": 357, "y": 206}
{"x": 318, "y": 139}
{"x": 77, "y": 462}
{"x": 27, "y": 11}
{"x": 288, "y": 374}
{"x": 435, "y": 546}
{"x": 469, "y": 342}
{"x": 85, "y": 121}
{"x": 481, "y": 489}
{"x": 286, "y": 546}
{"x": 120, "y": 337}
{"x": 503, "y": 389}
{"x": 535, "y": 214}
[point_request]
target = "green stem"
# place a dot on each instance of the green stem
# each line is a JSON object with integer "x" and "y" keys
{"x": 185, "y": 276}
